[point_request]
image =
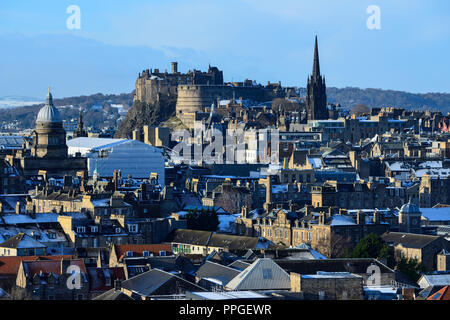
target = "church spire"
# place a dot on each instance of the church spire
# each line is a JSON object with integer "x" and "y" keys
{"x": 316, "y": 66}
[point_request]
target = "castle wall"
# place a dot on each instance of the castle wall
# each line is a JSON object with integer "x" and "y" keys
{"x": 194, "y": 98}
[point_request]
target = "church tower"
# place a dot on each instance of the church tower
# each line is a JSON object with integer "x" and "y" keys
{"x": 49, "y": 137}
{"x": 80, "y": 128}
{"x": 316, "y": 97}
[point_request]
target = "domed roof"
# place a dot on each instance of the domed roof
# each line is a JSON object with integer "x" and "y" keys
{"x": 409, "y": 208}
{"x": 49, "y": 113}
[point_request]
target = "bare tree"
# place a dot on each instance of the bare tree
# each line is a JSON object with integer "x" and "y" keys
{"x": 360, "y": 109}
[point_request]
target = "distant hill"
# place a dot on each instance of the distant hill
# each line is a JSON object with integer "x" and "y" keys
{"x": 97, "y": 109}
{"x": 347, "y": 97}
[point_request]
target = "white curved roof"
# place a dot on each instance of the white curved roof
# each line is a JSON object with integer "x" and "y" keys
{"x": 49, "y": 113}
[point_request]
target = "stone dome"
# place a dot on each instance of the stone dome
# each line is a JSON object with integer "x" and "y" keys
{"x": 409, "y": 208}
{"x": 49, "y": 113}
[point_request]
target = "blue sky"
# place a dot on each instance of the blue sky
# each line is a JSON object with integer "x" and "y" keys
{"x": 256, "y": 39}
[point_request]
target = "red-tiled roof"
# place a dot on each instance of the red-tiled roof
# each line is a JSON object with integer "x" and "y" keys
{"x": 47, "y": 266}
{"x": 138, "y": 249}
{"x": 10, "y": 265}
{"x": 443, "y": 294}
{"x": 97, "y": 277}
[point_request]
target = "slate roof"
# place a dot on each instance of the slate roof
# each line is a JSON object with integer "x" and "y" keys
{"x": 443, "y": 294}
{"x": 195, "y": 237}
{"x": 138, "y": 249}
{"x": 21, "y": 240}
{"x": 148, "y": 282}
{"x": 216, "y": 271}
{"x": 409, "y": 240}
{"x": 239, "y": 265}
{"x": 436, "y": 279}
{"x": 358, "y": 266}
{"x": 207, "y": 238}
{"x": 113, "y": 295}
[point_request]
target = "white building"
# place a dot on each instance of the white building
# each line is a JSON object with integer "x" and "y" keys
{"x": 132, "y": 157}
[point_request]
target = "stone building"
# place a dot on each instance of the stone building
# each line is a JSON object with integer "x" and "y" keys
{"x": 328, "y": 285}
{"x": 424, "y": 248}
{"x": 434, "y": 190}
{"x": 327, "y": 232}
{"x": 316, "y": 96}
{"x": 49, "y": 150}
{"x": 48, "y": 279}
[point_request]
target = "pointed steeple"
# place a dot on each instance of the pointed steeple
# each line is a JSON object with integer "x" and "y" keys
{"x": 316, "y": 66}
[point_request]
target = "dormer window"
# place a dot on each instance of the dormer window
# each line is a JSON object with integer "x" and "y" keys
{"x": 132, "y": 228}
{"x": 81, "y": 229}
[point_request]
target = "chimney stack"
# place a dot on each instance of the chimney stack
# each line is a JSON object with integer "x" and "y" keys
{"x": 174, "y": 67}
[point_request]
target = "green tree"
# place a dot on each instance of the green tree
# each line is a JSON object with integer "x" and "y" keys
{"x": 372, "y": 246}
{"x": 206, "y": 220}
{"x": 412, "y": 268}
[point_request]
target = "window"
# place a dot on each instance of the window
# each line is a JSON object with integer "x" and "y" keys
{"x": 129, "y": 253}
{"x": 267, "y": 273}
{"x": 118, "y": 230}
{"x": 94, "y": 229}
{"x": 132, "y": 228}
{"x": 81, "y": 229}
{"x": 146, "y": 253}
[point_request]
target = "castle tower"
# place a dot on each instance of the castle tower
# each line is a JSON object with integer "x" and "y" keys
{"x": 49, "y": 137}
{"x": 316, "y": 97}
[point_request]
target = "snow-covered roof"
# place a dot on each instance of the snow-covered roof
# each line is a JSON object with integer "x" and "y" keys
{"x": 316, "y": 162}
{"x": 94, "y": 143}
{"x": 226, "y": 222}
{"x": 436, "y": 214}
{"x": 342, "y": 220}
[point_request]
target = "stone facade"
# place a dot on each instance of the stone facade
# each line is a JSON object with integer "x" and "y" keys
{"x": 328, "y": 286}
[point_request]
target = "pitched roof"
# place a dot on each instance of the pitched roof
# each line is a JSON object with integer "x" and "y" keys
{"x": 436, "y": 279}
{"x": 216, "y": 271}
{"x": 409, "y": 240}
{"x": 195, "y": 237}
{"x": 10, "y": 265}
{"x": 148, "y": 282}
{"x": 21, "y": 240}
{"x": 138, "y": 249}
{"x": 239, "y": 265}
{"x": 263, "y": 274}
{"x": 357, "y": 266}
{"x": 443, "y": 294}
{"x": 46, "y": 266}
{"x": 113, "y": 294}
{"x": 98, "y": 277}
